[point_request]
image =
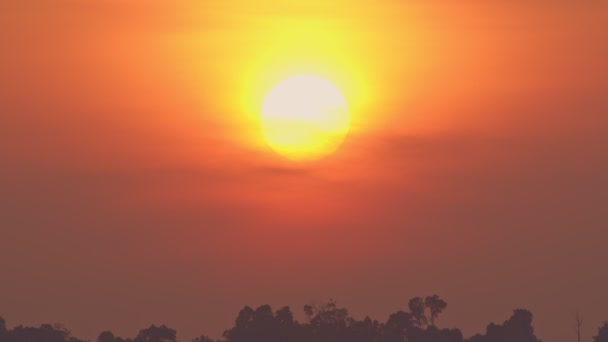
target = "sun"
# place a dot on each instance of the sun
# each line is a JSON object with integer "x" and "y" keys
{"x": 304, "y": 118}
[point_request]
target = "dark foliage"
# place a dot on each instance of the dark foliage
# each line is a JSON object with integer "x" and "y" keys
{"x": 602, "y": 334}
{"x": 324, "y": 323}
{"x": 108, "y": 336}
{"x": 44, "y": 333}
{"x": 517, "y": 329}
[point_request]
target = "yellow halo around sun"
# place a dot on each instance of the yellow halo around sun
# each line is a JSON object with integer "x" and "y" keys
{"x": 304, "y": 118}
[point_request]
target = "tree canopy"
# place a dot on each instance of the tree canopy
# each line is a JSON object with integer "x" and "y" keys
{"x": 326, "y": 322}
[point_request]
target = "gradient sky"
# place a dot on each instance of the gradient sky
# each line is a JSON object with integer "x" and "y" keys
{"x": 135, "y": 187}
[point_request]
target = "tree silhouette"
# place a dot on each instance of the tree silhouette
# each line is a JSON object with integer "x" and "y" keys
{"x": 432, "y": 334}
{"x": 45, "y": 333}
{"x": 328, "y": 314}
{"x": 156, "y": 334}
{"x": 436, "y": 306}
{"x": 2, "y": 329}
{"x": 284, "y": 317}
{"x": 417, "y": 308}
{"x": 397, "y": 325}
{"x": 517, "y": 329}
{"x": 327, "y": 322}
{"x": 203, "y": 338}
{"x": 602, "y": 334}
{"x": 262, "y": 324}
{"x": 108, "y": 336}
{"x": 579, "y": 323}
{"x": 364, "y": 331}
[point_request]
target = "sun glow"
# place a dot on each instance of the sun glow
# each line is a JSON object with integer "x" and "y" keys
{"x": 304, "y": 118}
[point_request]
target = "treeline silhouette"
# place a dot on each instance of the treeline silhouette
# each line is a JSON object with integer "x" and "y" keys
{"x": 324, "y": 323}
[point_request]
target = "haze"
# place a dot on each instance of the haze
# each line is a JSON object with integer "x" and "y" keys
{"x": 135, "y": 187}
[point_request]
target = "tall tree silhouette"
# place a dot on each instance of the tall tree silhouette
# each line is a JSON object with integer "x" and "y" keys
{"x": 417, "y": 308}
{"x": 436, "y": 306}
{"x": 414, "y": 326}
{"x": 579, "y": 323}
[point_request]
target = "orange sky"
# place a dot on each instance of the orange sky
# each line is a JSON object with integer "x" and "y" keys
{"x": 136, "y": 188}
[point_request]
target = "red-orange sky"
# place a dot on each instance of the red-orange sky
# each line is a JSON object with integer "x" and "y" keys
{"x": 135, "y": 187}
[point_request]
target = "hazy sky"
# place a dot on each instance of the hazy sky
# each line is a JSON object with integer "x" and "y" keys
{"x": 135, "y": 187}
